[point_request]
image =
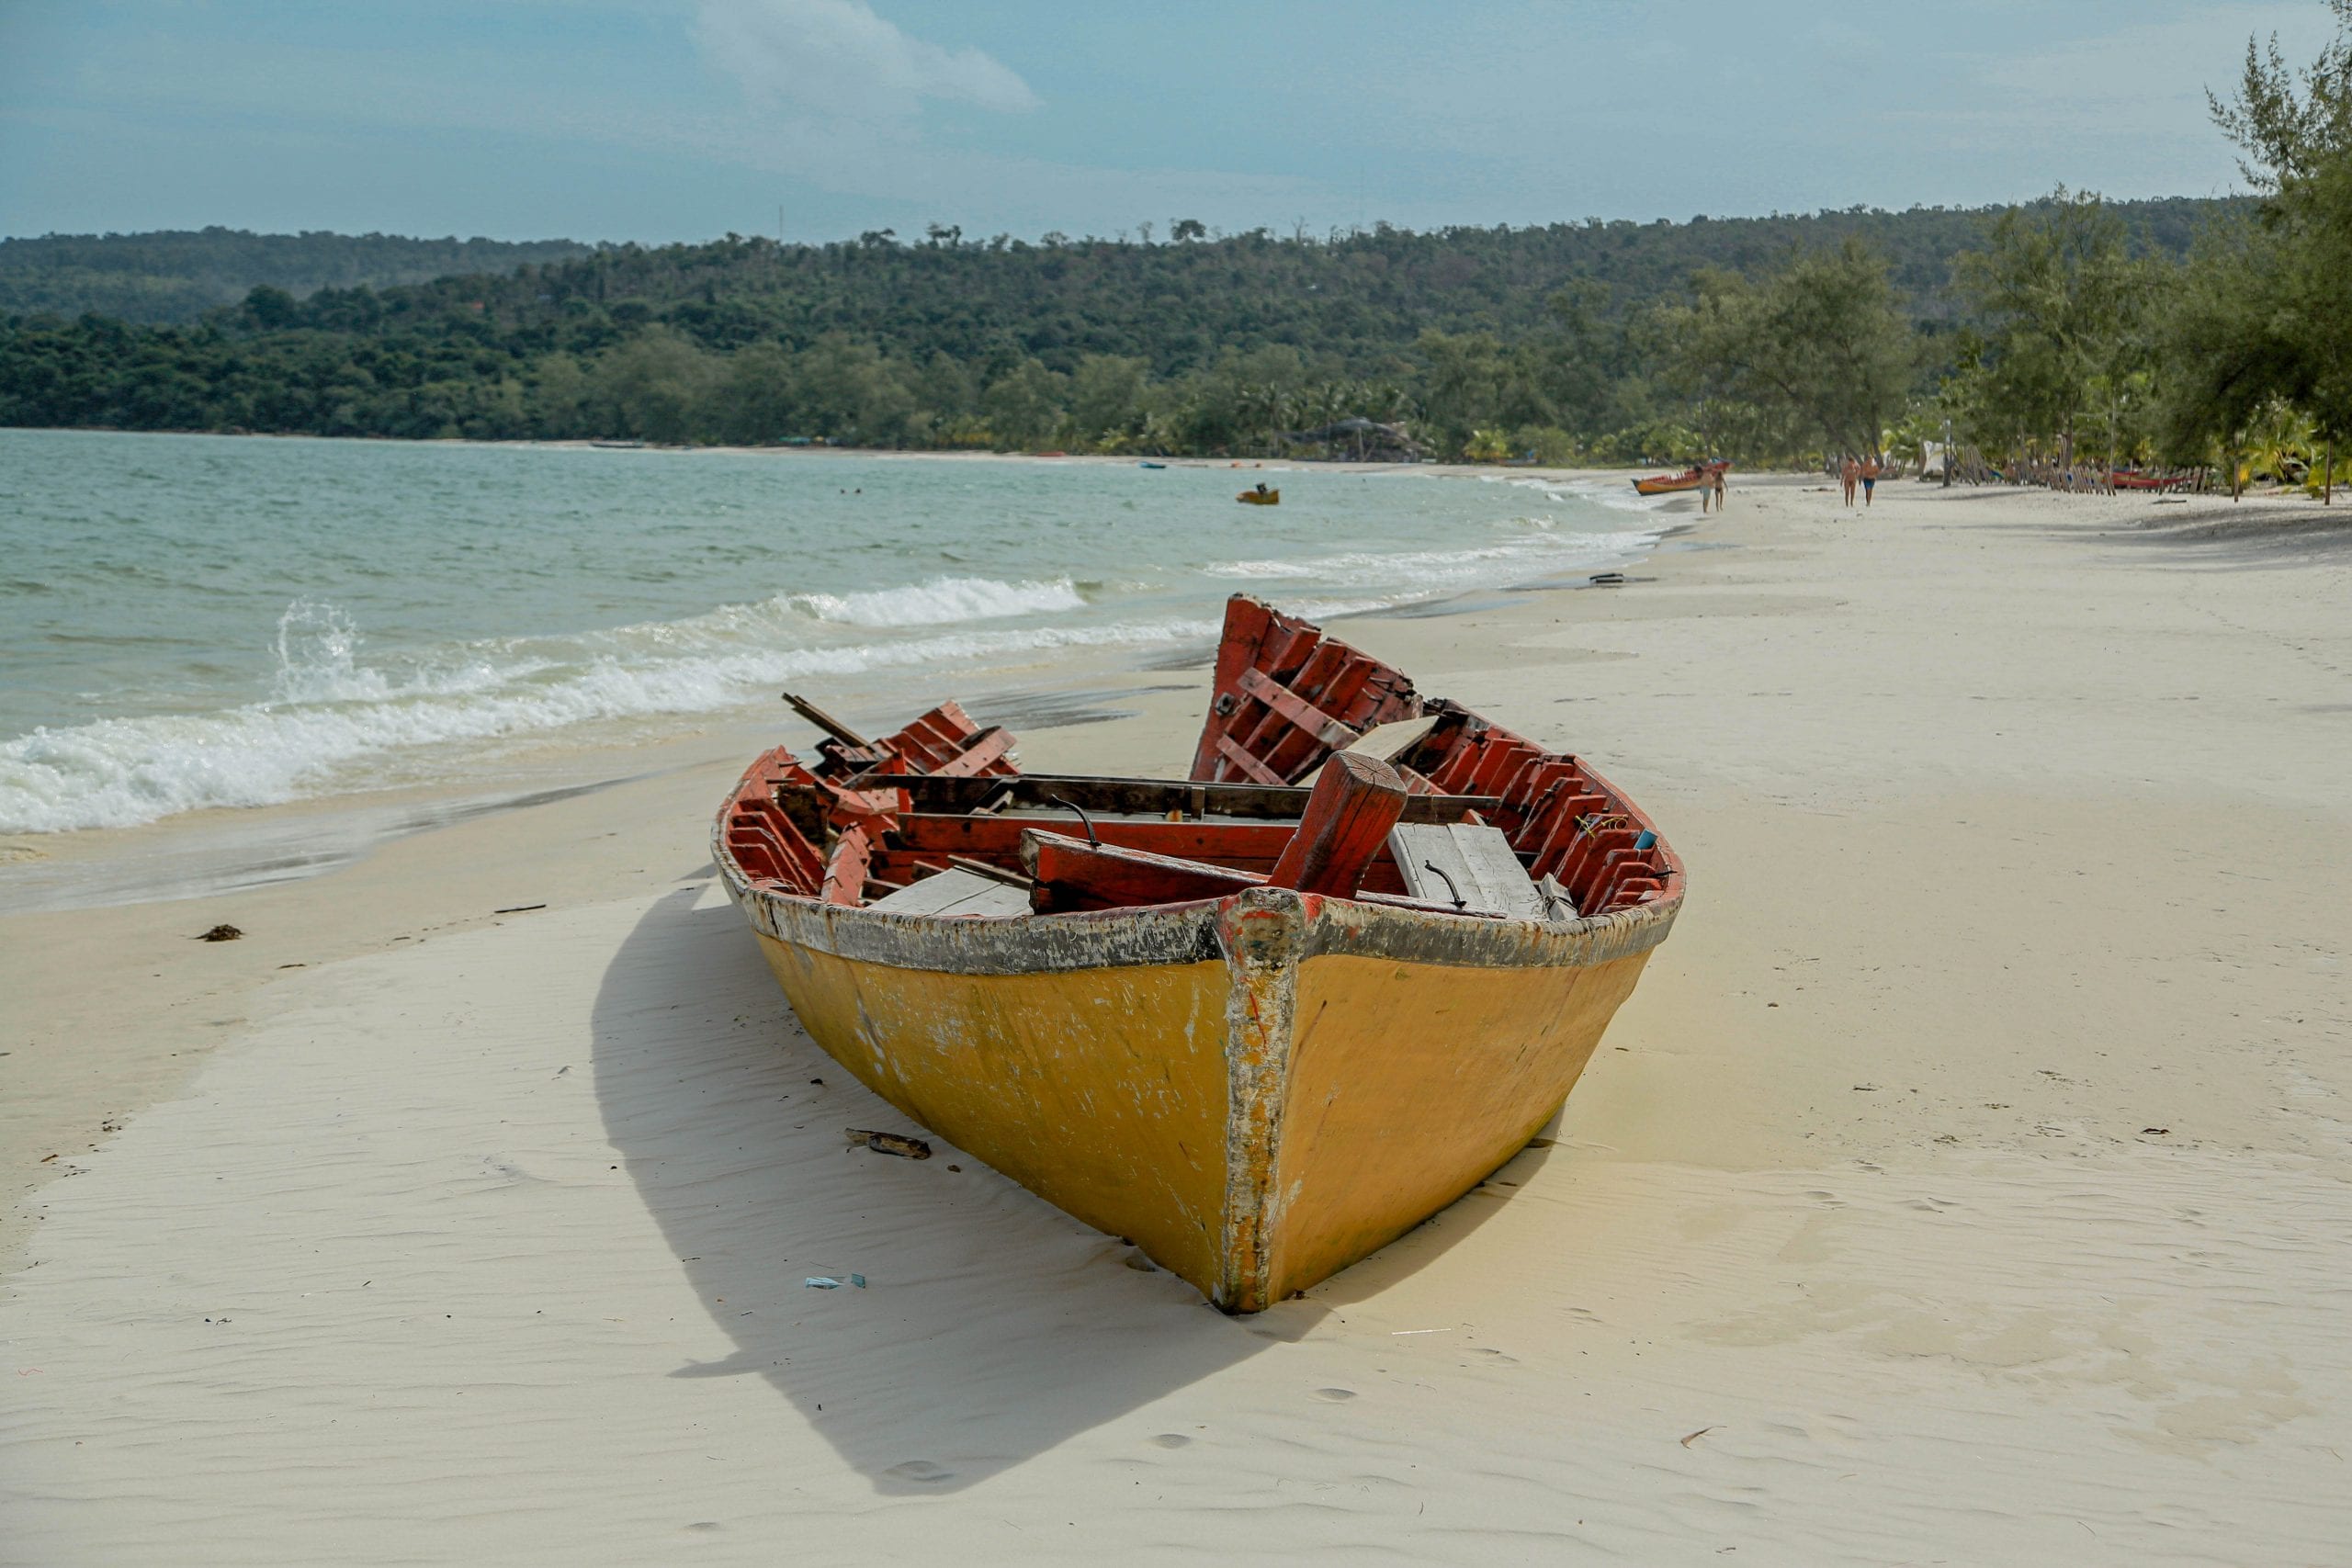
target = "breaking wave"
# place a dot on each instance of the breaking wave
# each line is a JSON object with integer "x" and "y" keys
{"x": 332, "y": 711}
{"x": 942, "y": 601}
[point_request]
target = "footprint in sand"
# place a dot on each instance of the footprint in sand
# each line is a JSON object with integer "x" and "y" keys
{"x": 1335, "y": 1395}
{"x": 1494, "y": 1357}
{"x": 1168, "y": 1440}
{"x": 920, "y": 1470}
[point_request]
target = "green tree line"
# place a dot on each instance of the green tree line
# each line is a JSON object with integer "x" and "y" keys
{"x": 1487, "y": 340}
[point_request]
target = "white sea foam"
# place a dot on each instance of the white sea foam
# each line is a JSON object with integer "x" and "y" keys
{"x": 1539, "y": 547}
{"x": 119, "y": 772}
{"x": 941, "y": 602}
{"x": 1615, "y": 494}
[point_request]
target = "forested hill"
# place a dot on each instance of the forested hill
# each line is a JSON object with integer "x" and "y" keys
{"x": 1572, "y": 339}
{"x": 1178, "y": 305}
{"x": 177, "y": 275}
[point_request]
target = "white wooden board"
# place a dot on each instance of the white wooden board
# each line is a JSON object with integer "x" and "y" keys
{"x": 1558, "y": 904}
{"x": 955, "y": 892}
{"x": 1386, "y": 741}
{"x": 1443, "y": 861}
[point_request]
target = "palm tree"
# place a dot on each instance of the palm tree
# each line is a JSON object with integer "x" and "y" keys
{"x": 2282, "y": 442}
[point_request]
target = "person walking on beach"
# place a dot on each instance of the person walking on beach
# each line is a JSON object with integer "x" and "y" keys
{"x": 1848, "y": 472}
{"x": 1869, "y": 481}
{"x": 1715, "y": 483}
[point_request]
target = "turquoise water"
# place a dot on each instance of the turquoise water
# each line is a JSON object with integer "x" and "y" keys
{"x": 192, "y": 621}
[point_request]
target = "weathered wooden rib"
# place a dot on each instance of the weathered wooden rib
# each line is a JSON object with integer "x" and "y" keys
{"x": 1258, "y": 1084}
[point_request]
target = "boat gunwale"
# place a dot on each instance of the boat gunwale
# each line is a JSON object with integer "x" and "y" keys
{"x": 1188, "y": 932}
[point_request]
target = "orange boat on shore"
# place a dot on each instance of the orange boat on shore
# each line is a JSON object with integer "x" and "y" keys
{"x": 1260, "y": 1021}
{"x": 1696, "y": 476}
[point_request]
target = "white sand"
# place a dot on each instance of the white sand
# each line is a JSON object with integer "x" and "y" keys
{"x": 2013, "y": 833}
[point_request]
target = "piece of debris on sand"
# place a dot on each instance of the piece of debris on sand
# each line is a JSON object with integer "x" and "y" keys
{"x": 888, "y": 1144}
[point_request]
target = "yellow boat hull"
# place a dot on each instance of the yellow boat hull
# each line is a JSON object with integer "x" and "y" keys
{"x": 1257, "y": 1090}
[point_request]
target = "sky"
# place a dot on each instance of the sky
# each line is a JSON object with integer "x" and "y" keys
{"x": 685, "y": 119}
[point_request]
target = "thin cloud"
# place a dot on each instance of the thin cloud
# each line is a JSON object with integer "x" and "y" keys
{"x": 837, "y": 59}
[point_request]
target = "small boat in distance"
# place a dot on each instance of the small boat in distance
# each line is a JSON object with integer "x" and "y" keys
{"x": 1693, "y": 477}
{"x": 1260, "y": 1021}
{"x": 1151, "y": 465}
{"x": 1260, "y": 496}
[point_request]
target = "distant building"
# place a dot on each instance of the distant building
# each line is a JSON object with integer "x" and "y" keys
{"x": 1358, "y": 440}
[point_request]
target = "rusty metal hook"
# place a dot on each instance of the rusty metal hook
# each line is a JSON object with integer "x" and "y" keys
{"x": 1459, "y": 901}
{"x": 1093, "y": 842}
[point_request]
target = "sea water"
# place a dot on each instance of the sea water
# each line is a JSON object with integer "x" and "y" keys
{"x": 191, "y": 622}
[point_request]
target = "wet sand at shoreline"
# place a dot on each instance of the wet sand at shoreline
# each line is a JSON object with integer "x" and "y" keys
{"x": 1967, "y": 1180}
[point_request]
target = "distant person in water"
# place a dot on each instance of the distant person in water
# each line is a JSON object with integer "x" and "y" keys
{"x": 1869, "y": 480}
{"x": 1848, "y": 472}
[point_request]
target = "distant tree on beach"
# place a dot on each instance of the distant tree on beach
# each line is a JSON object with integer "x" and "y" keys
{"x": 655, "y": 386}
{"x": 2060, "y": 305}
{"x": 1819, "y": 350}
{"x": 1024, "y": 405}
{"x": 1109, "y": 399}
{"x": 2260, "y": 321}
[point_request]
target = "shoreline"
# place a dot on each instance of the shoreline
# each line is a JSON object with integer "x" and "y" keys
{"x": 2270, "y": 503}
{"x": 1979, "y": 1132}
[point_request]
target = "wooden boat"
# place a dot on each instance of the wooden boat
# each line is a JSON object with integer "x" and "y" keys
{"x": 2131, "y": 479}
{"x": 1229, "y": 1018}
{"x": 1694, "y": 478}
{"x": 1260, "y": 498}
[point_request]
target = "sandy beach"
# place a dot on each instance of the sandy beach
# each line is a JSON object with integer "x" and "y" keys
{"x": 1967, "y": 1182}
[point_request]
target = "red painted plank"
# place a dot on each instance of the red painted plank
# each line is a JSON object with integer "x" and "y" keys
{"x": 1254, "y": 770}
{"x": 1317, "y": 724}
{"x": 1074, "y": 874}
{"x": 1246, "y": 623}
{"x": 979, "y": 753}
{"x": 985, "y": 837}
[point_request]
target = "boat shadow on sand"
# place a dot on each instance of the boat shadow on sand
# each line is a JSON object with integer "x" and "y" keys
{"x": 992, "y": 1326}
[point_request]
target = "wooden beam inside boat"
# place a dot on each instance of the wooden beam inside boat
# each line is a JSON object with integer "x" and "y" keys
{"x": 1145, "y": 798}
{"x": 827, "y": 722}
{"x": 1073, "y": 875}
{"x": 1349, "y": 813}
